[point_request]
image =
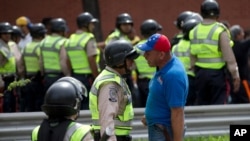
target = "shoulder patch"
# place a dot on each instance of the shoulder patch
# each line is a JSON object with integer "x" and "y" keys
{"x": 113, "y": 94}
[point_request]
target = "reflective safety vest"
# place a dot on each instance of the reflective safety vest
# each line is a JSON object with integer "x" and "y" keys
{"x": 141, "y": 64}
{"x": 182, "y": 51}
{"x": 124, "y": 118}
{"x": 10, "y": 66}
{"x": 75, "y": 132}
{"x": 76, "y": 49}
{"x": 116, "y": 35}
{"x": 205, "y": 45}
{"x": 31, "y": 55}
{"x": 50, "y": 51}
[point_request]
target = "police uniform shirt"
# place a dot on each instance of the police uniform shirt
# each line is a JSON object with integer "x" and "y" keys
{"x": 110, "y": 101}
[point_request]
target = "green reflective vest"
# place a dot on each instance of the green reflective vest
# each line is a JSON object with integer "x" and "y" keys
{"x": 204, "y": 44}
{"x": 75, "y": 132}
{"x": 124, "y": 118}
{"x": 31, "y": 54}
{"x": 116, "y": 35}
{"x": 50, "y": 51}
{"x": 10, "y": 66}
{"x": 76, "y": 49}
{"x": 141, "y": 64}
{"x": 182, "y": 51}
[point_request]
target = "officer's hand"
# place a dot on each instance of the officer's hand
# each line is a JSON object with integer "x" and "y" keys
{"x": 143, "y": 120}
{"x": 236, "y": 84}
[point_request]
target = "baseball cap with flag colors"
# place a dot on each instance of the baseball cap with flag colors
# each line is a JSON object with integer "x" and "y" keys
{"x": 157, "y": 42}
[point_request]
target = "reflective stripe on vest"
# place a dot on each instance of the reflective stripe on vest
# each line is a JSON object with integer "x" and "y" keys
{"x": 123, "y": 120}
{"x": 204, "y": 44}
{"x": 75, "y": 132}
{"x": 10, "y": 67}
{"x": 50, "y": 51}
{"x": 76, "y": 49}
{"x": 116, "y": 35}
{"x": 31, "y": 58}
{"x": 142, "y": 65}
{"x": 182, "y": 51}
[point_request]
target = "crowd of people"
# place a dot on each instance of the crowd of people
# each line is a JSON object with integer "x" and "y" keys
{"x": 43, "y": 53}
{"x": 43, "y": 69}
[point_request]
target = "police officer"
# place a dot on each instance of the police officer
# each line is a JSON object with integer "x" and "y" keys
{"x": 17, "y": 34}
{"x": 55, "y": 63}
{"x": 143, "y": 71}
{"x": 110, "y": 98}
{"x": 211, "y": 54}
{"x": 32, "y": 96}
{"x": 179, "y": 23}
{"x": 182, "y": 51}
{"x": 7, "y": 67}
{"x": 62, "y": 106}
{"x": 82, "y": 51}
{"x": 124, "y": 28}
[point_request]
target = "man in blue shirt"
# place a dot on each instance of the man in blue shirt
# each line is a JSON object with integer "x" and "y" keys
{"x": 168, "y": 89}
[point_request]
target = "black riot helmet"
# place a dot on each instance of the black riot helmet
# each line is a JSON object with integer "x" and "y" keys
{"x": 123, "y": 18}
{"x": 58, "y": 25}
{"x": 149, "y": 27}
{"x": 5, "y": 27}
{"x": 210, "y": 8}
{"x": 37, "y": 30}
{"x": 195, "y": 16}
{"x": 118, "y": 51}
{"x": 63, "y": 98}
{"x": 84, "y": 19}
{"x": 16, "y": 32}
{"x": 181, "y": 18}
{"x": 188, "y": 26}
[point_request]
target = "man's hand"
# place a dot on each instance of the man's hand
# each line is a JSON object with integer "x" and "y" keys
{"x": 236, "y": 84}
{"x": 143, "y": 120}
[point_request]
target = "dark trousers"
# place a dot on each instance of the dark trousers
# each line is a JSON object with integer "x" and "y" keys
{"x": 211, "y": 86}
{"x": 240, "y": 96}
{"x": 10, "y": 97}
{"x": 192, "y": 95}
{"x": 32, "y": 97}
{"x": 87, "y": 80}
{"x": 143, "y": 91}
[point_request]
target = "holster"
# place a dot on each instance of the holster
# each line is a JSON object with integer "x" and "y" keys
{"x": 97, "y": 135}
{"x": 124, "y": 138}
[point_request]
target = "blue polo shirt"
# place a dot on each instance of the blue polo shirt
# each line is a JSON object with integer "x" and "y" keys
{"x": 167, "y": 89}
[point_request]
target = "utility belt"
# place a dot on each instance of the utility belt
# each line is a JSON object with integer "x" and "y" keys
{"x": 8, "y": 77}
{"x": 53, "y": 74}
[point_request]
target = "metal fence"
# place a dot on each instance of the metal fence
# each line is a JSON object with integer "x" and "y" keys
{"x": 200, "y": 121}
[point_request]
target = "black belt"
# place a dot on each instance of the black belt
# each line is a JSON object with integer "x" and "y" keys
{"x": 124, "y": 138}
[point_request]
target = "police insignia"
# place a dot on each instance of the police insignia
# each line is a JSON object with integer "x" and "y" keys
{"x": 113, "y": 94}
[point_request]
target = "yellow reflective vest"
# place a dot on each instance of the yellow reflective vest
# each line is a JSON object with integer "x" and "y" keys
{"x": 141, "y": 64}
{"x": 75, "y": 132}
{"x": 76, "y": 49}
{"x": 50, "y": 51}
{"x": 182, "y": 51}
{"x": 124, "y": 119}
{"x": 10, "y": 66}
{"x": 31, "y": 54}
{"x": 116, "y": 35}
{"x": 205, "y": 45}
